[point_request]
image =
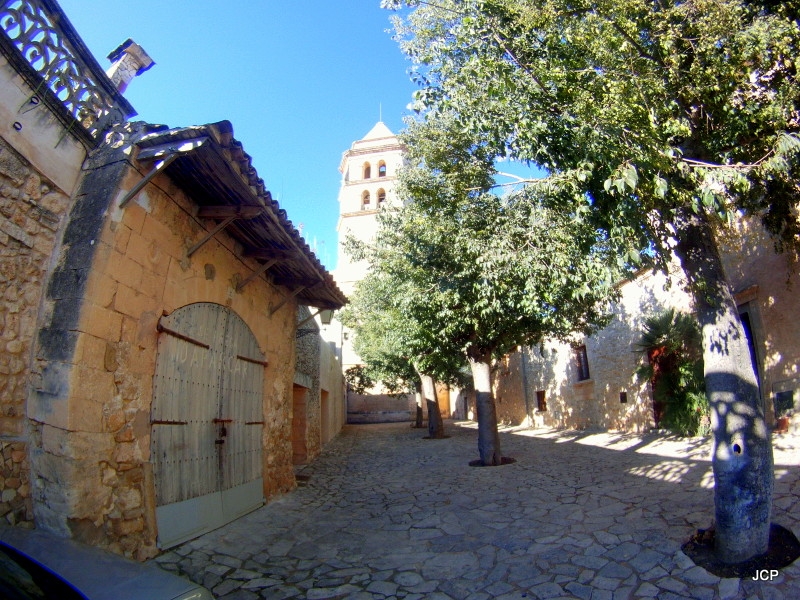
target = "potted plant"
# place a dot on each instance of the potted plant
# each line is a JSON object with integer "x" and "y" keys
{"x": 784, "y": 407}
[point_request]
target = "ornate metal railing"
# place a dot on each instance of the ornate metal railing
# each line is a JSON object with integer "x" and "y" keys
{"x": 42, "y": 44}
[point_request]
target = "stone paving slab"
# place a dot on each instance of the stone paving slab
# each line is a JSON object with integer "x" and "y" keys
{"x": 387, "y": 514}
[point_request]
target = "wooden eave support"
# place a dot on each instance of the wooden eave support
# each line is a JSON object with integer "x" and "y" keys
{"x": 270, "y": 253}
{"x": 287, "y": 298}
{"x": 308, "y": 318}
{"x": 166, "y": 154}
{"x": 229, "y": 214}
{"x": 225, "y": 211}
{"x": 271, "y": 256}
{"x": 257, "y": 272}
{"x": 210, "y": 235}
{"x": 291, "y": 282}
{"x": 301, "y": 286}
{"x": 160, "y": 166}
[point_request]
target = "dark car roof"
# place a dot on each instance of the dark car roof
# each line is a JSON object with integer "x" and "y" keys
{"x": 98, "y": 574}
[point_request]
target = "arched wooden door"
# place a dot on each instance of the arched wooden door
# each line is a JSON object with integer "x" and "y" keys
{"x": 207, "y": 421}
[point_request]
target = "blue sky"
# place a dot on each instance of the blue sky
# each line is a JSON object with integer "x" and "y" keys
{"x": 300, "y": 80}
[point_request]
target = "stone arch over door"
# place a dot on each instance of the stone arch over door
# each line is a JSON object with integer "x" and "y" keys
{"x": 207, "y": 421}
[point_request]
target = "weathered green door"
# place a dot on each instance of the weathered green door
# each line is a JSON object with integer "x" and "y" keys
{"x": 207, "y": 421}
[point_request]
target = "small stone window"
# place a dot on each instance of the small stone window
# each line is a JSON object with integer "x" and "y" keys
{"x": 381, "y": 197}
{"x": 623, "y": 397}
{"x": 381, "y": 169}
{"x": 365, "y": 201}
{"x": 582, "y": 363}
{"x": 541, "y": 401}
{"x": 367, "y": 170}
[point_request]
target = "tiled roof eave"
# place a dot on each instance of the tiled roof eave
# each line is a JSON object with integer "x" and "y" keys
{"x": 214, "y": 171}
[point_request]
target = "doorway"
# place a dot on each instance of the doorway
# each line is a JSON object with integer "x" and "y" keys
{"x": 206, "y": 421}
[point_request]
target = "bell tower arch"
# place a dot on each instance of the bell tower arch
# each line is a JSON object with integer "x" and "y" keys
{"x": 369, "y": 173}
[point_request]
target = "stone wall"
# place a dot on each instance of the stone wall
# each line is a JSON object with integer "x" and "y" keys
{"x": 763, "y": 283}
{"x": 766, "y": 284}
{"x": 319, "y": 371}
{"x": 307, "y": 374}
{"x": 462, "y": 403}
{"x": 380, "y": 408}
{"x": 613, "y": 358}
{"x": 333, "y": 411}
{"x": 31, "y": 209}
{"x": 28, "y": 126}
{"x": 97, "y": 351}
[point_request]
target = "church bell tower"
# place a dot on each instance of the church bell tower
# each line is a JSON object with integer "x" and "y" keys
{"x": 369, "y": 173}
{"x": 369, "y": 176}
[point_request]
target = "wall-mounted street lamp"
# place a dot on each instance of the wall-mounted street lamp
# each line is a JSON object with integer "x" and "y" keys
{"x": 325, "y": 315}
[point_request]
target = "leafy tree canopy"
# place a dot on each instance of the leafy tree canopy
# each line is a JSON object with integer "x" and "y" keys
{"x": 481, "y": 274}
{"x": 392, "y": 344}
{"x": 472, "y": 275}
{"x": 651, "y": 105}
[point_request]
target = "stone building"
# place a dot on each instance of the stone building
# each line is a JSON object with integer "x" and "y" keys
{"x": 369, "y": 174}
{"x": 150, "y": 309}
{"x": 592, "y": 382}
{"x": 319, "y": 408}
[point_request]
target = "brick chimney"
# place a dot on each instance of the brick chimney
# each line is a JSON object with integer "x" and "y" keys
{"x": 128, "y": 61}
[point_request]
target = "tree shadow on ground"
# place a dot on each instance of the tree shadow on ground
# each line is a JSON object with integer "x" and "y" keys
{"x": 784, "y": 549}
{"x": 688, "y": 466}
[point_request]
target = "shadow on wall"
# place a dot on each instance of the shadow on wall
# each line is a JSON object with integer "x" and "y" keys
{"x": 765, "y": 284}
{"x": 542, "y": 385}
{"x": 624, "y": 400}
{"x": 520, "y": 379}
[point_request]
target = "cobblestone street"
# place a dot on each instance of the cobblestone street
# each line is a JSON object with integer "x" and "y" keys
{"x": 383, "y": 513}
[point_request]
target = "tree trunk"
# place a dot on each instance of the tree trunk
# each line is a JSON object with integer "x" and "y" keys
{"x": 435, "y": 424}
{"x": 742, "y": 450}
{"x": 418, "y": 421}
{"x": 488, "y": 437}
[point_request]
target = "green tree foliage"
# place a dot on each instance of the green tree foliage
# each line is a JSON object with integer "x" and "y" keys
{"x": 358, "y": 379}
{"x": 381, "y": 337}
{"x": 398, "y": 353}
{"x": 475, "y": 275}
{"x": 674, "y": 348}
{"x": 671, "y": 116}
{"x": 650, "y": 104}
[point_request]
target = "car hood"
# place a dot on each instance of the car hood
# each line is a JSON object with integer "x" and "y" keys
{"x": 98, "y": 574}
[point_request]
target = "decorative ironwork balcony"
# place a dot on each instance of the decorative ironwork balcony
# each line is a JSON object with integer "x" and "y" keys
{"x": 40, "y": 42}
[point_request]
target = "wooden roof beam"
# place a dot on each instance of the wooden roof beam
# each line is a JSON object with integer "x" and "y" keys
{"x": 286, "y": 299}
{"x": 159, "y": 167}
{"x": 210, "y": 235}
{"x": 302, "y": 286}
{"x": 223, "y": 212}
{"x": 270, "y": 253}
{"x": 290, "y": 282}
{"x": 164, "y": 154}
